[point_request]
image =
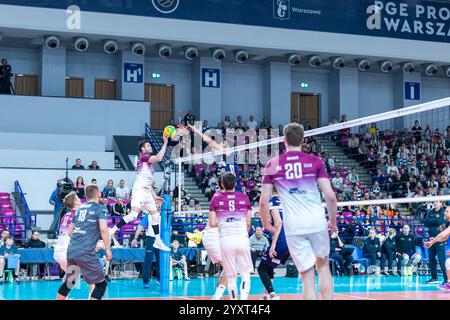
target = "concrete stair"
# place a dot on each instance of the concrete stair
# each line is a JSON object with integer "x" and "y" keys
{"x": 194, "y": 191}
{"x": 343, "y": 161}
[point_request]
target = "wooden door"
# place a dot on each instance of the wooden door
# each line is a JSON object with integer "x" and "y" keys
{"x": 161, "y": 98}
{"x": 306, "y": 107}
{"x": 105, "y": 89}
{"x": 26, "y": 84}
{"x": 74, "y": 87}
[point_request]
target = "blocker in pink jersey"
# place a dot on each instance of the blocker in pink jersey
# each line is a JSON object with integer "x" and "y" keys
{"x": 232, "y": 211}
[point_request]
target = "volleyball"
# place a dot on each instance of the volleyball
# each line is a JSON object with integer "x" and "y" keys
{"x": 170, "y": 131}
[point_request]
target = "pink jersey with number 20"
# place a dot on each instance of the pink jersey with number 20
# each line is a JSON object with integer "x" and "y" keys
{"x": 295, "y": 175}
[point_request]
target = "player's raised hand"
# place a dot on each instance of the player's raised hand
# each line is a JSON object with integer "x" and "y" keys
{"x": 165, "y": 138}
{"x": 182, "y": 129}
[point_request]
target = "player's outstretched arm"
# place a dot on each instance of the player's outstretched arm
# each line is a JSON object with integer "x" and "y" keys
{"x": 103, "y": 224}
{"x": 439, "y": 238}
{"x": 160, "y": 156}
{"x": 331, "y": 201}
{"x": 264, "y": 206}
{"x": 205, "y": 137}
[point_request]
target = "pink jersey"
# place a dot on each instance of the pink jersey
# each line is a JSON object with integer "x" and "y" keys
{"x": 231, "y": 210}
{"x": 295, "y": 174}
{"x": 65, "y": 222}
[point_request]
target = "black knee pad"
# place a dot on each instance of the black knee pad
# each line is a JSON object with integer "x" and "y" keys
{"x": 266, "y": 269}
{"x": 64, "y": 289}
{"x": 99, "y": 290}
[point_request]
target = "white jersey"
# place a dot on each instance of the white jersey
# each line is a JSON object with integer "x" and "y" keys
{"x": 145, "y": 172}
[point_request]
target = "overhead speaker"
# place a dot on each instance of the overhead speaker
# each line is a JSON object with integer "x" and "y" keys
{"x": 408, "y": 67}
{"x": 218, "y": 54}
{"x": 431, "y": 69}
{"x": 241, "y": 56}
{"x": 138, "y": 48}
{"x": 164, "y": 50}
{"x": 81, "y": 44}
{"x": 315, "y": 60}
{"x": 386, "y": 66}
{"x": 363, "y": 65}
{"x": 190, "y": 53}
{"x": 110, "y": 46}
{"x": 294, "y": 59}
{"x": 52, "y": 42}
{"x": 447, "y": 71}
{"x": 338, "y": 62}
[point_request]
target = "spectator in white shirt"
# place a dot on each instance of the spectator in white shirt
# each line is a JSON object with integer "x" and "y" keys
{"x": 122, "y": 192}
{"x": 251, "y": 123}
{"x": 392, "y": 167}
{"x": 337, "y": 181}
{"x": 353, "y": 176}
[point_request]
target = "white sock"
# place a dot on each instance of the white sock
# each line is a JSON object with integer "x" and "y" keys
{"x": 155, "y": 219}
{"x": 245, "y": 286}
{"x": 131, "y": 217}
{"x": 220, "y": 290}
{"x": 232, "y": 288}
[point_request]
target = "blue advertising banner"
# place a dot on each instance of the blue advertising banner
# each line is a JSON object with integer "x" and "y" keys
{"x": 408, "y": 19}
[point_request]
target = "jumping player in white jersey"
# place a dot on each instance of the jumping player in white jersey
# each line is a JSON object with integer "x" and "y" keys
{"x": 143, "y": 196}
{"x": 295, "y": 175}
{"x": 443, "y": 236}
{"x": 230, "y": 211}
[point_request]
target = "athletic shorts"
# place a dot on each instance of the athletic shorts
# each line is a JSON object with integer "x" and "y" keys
{"x": 60, "y": 251}
{"x": 236, "y": 255}
{"x": 89, "y": 266}
{"x": 281, "y": 258}
{"x": 304, "y": 249}
{"x": 143, "y": 199}
{"x": 211, "y": 242}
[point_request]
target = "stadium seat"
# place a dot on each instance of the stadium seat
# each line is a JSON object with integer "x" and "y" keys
{"x": 4, "y": 196}
{"x": 357, "y": 256}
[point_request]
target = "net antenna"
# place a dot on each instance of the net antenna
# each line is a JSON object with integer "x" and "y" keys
{"x": 402, "y": 112}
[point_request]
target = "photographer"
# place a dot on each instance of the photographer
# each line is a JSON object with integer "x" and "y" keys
{"x": 5, "y": 76}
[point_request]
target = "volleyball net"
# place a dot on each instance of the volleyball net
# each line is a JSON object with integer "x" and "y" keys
{"x": 386, "y": 166}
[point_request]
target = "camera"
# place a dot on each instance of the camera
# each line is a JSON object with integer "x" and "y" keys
{"x": 65, "y": 186}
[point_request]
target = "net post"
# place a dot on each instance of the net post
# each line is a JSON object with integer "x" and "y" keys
{"x": 179, "y": 185}
{"x": 164, "y": 261}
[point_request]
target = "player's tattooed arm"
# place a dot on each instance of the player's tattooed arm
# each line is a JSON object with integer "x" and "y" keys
{"x": 136, "y": 235}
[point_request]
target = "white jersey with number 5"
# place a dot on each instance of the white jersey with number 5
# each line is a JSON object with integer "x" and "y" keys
{"x": 295, "y": 174}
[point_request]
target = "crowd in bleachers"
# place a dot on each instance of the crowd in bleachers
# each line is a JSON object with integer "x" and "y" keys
{"x": 402, "y": 163}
